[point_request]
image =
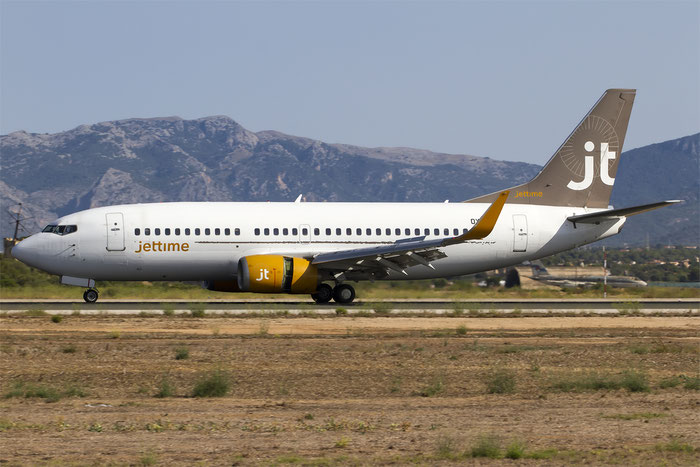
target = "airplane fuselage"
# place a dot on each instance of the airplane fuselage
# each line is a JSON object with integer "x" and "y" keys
{"x": 204, "y": 241}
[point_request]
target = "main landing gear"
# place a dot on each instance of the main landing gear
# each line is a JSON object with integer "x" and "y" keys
{"x": 341, "y": 293}
{"x": 91, "y": 295}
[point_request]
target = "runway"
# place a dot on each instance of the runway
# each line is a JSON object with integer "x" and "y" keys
{"x": 507, "y": 307}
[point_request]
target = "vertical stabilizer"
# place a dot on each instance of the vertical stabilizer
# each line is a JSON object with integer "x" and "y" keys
{"x": 582, "y": 171}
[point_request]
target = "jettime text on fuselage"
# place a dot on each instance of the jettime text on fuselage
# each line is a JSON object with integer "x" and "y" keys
{"x": 161, "y": 247}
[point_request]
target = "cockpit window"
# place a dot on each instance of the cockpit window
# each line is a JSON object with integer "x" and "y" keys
{"x": 60, "y": 229}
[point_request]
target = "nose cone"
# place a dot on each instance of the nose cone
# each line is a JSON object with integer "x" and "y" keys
{"x": 27, "y": 251}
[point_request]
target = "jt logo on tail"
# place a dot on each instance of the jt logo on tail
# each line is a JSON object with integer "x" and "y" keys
{"x": 605, "y": 157}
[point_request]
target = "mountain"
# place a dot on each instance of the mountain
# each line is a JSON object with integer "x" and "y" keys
{"x": 216, "y": 159}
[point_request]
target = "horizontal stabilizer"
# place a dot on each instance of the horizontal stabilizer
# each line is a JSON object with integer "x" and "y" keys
{"x": 610, "y": 214}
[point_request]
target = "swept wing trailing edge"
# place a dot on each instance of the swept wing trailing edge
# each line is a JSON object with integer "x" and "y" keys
{"x": 612, "y": 214}
{"x": 407, "y": 252}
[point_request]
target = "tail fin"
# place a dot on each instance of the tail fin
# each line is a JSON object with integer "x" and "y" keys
{"x": 538, "y": 269}
{"x": 582, "y": 171}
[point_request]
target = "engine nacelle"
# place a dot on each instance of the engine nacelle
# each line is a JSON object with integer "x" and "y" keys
{"x": 277, "y": 274}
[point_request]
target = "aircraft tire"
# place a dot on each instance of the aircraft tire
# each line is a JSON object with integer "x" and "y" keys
{"x": 343, "y": 293}
{"x": 323, "y": 294}
{"x": 90, "y": 295}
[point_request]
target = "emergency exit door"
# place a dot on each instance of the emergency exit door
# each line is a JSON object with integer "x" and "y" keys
{"x": 519, "y": 232}
{"x": 115, "y": 231}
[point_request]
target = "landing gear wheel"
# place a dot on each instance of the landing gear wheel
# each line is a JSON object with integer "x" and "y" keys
{"x": 90, "y": 295}
{"x": 323, "y": 294}
{"x": 343, "y": 293}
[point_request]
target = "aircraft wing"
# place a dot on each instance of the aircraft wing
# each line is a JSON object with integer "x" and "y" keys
{"x": 406, "y": 252}
{"x": 598, "y": 217}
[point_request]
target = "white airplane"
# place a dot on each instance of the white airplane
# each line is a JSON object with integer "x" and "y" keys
{"x": 303, "y": 248}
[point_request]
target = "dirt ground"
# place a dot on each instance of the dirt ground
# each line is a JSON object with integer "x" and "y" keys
{"x": 348, "y": 391}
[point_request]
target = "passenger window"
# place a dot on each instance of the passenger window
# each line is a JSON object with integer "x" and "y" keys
{"x": 348, "y": 231}
{"x": 237, "y": 231}
{"x": 305, "y": 231}
{"x": 285, "y": 231}
{"x": 197, "y": 231}
{"x": 407, "y": 231}
{"x": 464, "y": 231}
{"x": 446, "y": 231}
{"x": 387, "y": 231}
{"x": 207, "y": 231}
{"x": 337, "y": 231}
{"x": 295, "y": 231}
{"x": 358, "y": 231}
{"x": 416, "y": 231}
{"x": 227, "y": 232}
{"x": 436, "y": 232}
{"x": 378, "y": 231}
{"x": 328, "y": 232}
{"x": 147, "y": 231}
{"x": 317, "y": 231}
{"x": 276, "y": 231}
{"x": 217, "y": 231}
{"x": 167, "y": 231}
{"x": 368, "y": 231}
{"x": 397, "y": 231}
{"x": 267, "y": 231}
{"x": 426, "y": 231}
{"x": 257, "y": 231}
{"x": 455, "y": 231}
{"x": 187, "y": 231}
{"x": 137, "y": 231}
{"x": 157, "y": 231}
{"x": 177, "y": 231}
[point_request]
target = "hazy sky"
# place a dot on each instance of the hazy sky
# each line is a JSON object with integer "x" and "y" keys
{"x": 508, "y": 80}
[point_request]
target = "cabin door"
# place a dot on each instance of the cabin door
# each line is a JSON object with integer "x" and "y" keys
{"x": 519, "y": 232}
{"x": 115, "y": 231}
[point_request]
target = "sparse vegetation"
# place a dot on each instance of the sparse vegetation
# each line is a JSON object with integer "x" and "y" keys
{"x": 631, "y": 380}
{"x": 56, "y": 318}
{"x": 446, "y": 449}
{"x": 168, "y": 309}
{"x": 70, "y": 348}
{"x": 461, "y": 330}
{"x": 676, "y": 444}
{"x": 35, "y": 312}
{"x": 213, "y": 384}
{"x": 486, "y": 446}
{"x": 501, "y": 381}
{"x": 381, "y": 308}
{"x": 435, "y": 387}
{"x": 48, "y": 393}
{"x": 182, "y": 353}
{"x": 515, "y": 450}
{"x": 340, "y": 311}
{"x": 165, "y": 388}
{"x": 115, "y": 334}
{"x": 197, "y": 310}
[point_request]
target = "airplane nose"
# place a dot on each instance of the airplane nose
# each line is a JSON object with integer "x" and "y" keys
{"x": 26, "y": 251}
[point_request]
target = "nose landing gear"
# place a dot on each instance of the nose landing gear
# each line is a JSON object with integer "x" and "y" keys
{"x": 91, "y": 295}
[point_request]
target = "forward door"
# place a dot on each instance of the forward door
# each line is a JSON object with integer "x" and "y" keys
{"x": 115, "y": 231}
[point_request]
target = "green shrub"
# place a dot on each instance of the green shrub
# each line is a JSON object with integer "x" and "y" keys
{"x": 446, "y": 449}
{"x": 341, "y": 311}
{"x": 56, "y": 318}
{"x": 48, "y": 393}
{"x": 515, "y": 450}
{"x": 501, "y": 382}
{"x": 486, "y": 446}
{"x": 70, "y": 348}
{"x": 692, "y": 383}
{"x": 213, "y": 384}
{"x": 634, "y": 381}
{"x": 182, "y": 353}
{"x": 461, "y": 330}
{"x": 166, "y": 388}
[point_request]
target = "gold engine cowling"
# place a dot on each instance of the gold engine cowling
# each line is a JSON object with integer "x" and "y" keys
{"x": 277, "y": 274}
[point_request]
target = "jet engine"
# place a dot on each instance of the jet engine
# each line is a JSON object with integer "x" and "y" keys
{"x": 277, "y": 274}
